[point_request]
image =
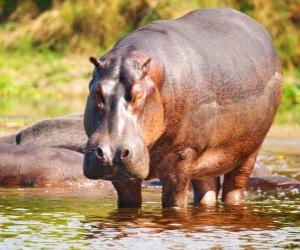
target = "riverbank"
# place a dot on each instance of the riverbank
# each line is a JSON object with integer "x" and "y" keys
{"x": 283, "y": 139}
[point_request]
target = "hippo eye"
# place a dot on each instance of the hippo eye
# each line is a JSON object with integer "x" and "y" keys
{"x": 128, "y": 96}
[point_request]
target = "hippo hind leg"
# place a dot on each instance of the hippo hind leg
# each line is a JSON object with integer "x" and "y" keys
{"x": 235, "y": 181}
{"x": 206, "y": 191}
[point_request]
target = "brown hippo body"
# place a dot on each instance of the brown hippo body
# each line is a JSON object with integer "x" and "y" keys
{"x": 60, "y": 132}
{"x": 35, "y": 165}
{"x": 183, "y": 100}
{"x": 63, "y": 132}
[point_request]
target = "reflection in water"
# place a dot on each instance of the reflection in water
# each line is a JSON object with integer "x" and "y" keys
{"x": 36, "y": 218}
{"x": 206, "y": 226}
{"x": 194, "y": 219}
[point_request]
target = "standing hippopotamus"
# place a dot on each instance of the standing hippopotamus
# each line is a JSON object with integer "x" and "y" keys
{"x": 185, "y": 100}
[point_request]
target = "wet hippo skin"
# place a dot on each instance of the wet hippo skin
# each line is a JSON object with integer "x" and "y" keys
{"x": 273, "y": 183}
{"x": 33, "y": 165}
{"x": 61, "y": 132}
{"x": 185, "y": 100}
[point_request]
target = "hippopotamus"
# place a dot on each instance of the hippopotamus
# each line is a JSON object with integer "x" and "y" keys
{"x": 61, "y": 132}
{"x": 185, "y": 100}
{"x": 35, "y": 165}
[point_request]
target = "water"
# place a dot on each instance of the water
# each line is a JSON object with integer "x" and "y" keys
{"x": 41, "y": 218}
{"x": 282, "y": 164}
{"x": 86, "y": 219}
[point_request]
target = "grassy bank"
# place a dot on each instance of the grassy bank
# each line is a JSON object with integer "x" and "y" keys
{"x": 38, "y": 83}
{"x": 44, "y": 47}
{"x": 38, "y": 73}
{"x": 47, "y": 84}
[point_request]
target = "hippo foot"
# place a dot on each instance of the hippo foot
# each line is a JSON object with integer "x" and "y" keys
{"x": 206, "y": 191}
{"x": 235, "y": 181}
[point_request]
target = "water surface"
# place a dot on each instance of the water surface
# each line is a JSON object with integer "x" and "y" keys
{"x": 41, "y": 218}
{"x": 37, "y": 218}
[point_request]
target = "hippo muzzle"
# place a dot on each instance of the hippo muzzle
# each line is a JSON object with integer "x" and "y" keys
{"x": 118, "y": 165}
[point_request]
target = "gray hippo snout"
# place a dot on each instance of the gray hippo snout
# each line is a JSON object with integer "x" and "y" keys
{"x": 96, "y": 167}
{"x": 121, "y": 164}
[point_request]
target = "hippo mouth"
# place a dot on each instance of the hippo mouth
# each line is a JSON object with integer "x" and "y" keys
{"x": 119, "y": 174}
{"x": 93, "y": 169}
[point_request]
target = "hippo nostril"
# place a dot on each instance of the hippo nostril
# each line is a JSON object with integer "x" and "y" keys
{"x": 99, "y": 153}
{"x": 124, "y": 153}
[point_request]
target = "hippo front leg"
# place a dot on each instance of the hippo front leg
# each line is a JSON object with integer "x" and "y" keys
{"x": 175, "y": 178}
{"x": 129, "y": 193}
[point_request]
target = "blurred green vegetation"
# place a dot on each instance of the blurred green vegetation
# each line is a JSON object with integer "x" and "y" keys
{"x": 44, "y": 44}
{"x": 41, "y": 84}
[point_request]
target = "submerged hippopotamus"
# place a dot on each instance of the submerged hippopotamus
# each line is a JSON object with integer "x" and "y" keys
{"x": 61, "y": 132}
{"x": 185, "y": 100}
{"x": 34, "y": 165}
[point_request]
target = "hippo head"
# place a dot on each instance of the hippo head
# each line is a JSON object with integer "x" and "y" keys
{"x": 123, "y": 116}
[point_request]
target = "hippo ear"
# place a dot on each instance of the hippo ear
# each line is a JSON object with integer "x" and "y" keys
{"x": 95, "y": 61}
{"x": 140, "y": 92}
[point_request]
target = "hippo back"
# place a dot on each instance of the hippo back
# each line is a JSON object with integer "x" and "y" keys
{"x": 222, "y": 75}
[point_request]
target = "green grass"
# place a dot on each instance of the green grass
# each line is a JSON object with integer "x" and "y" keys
{"x": 289, "y": 110}
{"x": 37, "y": 39}
{"x": 41, "y": 74}
{"x": 42, "y": 84}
